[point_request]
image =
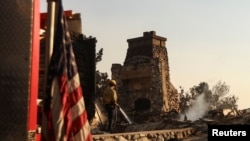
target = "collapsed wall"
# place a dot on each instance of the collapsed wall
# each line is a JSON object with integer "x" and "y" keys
{"x": 143, "y": 81}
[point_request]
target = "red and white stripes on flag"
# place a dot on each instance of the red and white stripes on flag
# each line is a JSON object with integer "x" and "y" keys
{"x": 65, "y": 116}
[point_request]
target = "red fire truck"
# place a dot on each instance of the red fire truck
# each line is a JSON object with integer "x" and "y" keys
{"x": 19, "y": 38}
{"x": 23, "y": 65}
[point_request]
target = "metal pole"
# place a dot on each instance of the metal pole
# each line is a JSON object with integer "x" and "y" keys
{"x": 51, "y": 11}
{"x": 50, "y": 29}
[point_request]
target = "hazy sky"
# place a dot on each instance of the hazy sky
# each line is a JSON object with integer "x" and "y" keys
{"x": 207, "y": 40}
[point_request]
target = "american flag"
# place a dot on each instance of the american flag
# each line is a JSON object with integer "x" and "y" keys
{"x": 65, "y": 116}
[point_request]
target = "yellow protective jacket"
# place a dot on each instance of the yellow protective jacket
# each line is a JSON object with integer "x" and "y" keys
{"x": 109, "y": 96}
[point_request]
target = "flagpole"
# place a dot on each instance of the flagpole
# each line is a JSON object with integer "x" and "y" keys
{"x": 51, "y": 18}
{"x": 51, "y": 11}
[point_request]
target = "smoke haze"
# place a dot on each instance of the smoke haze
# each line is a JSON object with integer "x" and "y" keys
{"x": 198, "y": 109}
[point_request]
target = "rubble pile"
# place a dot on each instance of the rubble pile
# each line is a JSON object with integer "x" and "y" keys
{"x": 172, "y": 121}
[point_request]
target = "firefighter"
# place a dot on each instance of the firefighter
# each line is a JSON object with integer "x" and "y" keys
{"x": 110, "y": 101}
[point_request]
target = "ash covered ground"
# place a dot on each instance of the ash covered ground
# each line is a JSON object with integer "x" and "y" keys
{"x": 150, "y": 121}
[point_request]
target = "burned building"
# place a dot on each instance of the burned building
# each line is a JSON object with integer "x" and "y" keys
{"x": 144, "y": 80}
